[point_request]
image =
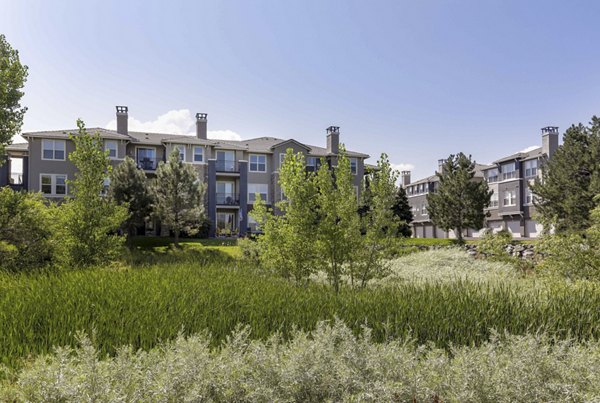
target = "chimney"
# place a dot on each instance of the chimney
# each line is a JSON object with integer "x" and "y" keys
{"x": 549, "y": 140}
{"x": 122, "y": 116}
{"x": 201, "y": 123}
{"x": 405, "y": 178}
{"x": 441, "y": 166}
{"x": 333, "y": 140}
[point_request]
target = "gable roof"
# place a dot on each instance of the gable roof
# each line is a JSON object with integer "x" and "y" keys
{"x": 534, "y": 153}
{"x": 64, "y": 134}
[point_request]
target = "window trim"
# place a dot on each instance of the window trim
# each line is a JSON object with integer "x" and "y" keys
{"x": 54, "y": 141}
{"x": 281, "y": 158}
{"x": 512, "y": 199}
{"x": 356, "y": 165}
{"x": 266, "y": 199}
{"x": 53, "y": 185}
{"x": 257, "y": 163}
{"x": 181, "y": 148}
{"x": 116, "y": 143}
{"x": 194, "y": 155}
{"x": 525, "y": 169}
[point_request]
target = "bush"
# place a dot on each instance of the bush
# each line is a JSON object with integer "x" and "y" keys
{"x": 328, "y": 364}
{"x": 494, "y": 244}
{"x": 25, "y": 231}
{"x": 250, "y": 252}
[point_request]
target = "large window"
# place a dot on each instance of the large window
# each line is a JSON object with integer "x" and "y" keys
{"x": 146, "y": 158}
{"x": 53, "y": 150}
{"x": 510, "y": 198}
{"x": 312, "y": 164}
{"x": 53, "y": 184}
{"x": 225, "y": 224}
{"x": 181, "y": 149}
{"x": 198, "y": 154}
{"x": 261, "y": 188}
{"x": 111, "y": 147}
{"x": 529, "y": 197}
{"x": 494, "y": 200}
{"x": 258, "y": 163}
{"x": 354, "y": 165}
{"x": 530, "y": 168}
{"x": 226, "y": 161}
{"x": 508, "y": 171}
{"x": 492, "y": 175}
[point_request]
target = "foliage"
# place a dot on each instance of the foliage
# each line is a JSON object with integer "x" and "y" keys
{"x": 13, "y": 76}
{"x": 25, "y": 231}
{"x": 379, "y": 225}
{"x": 403, "y": 212}
{"x": 459, "y": 201}
{"x": 87, "y": 222}
{"x": 494, "y": 244}
{"x": 144, "y": 304}
{"x": 129, "y": 187}
{"x": 570, "y": 180}
{"x": 574, "y": 255}
{"x": 338, "y": 234}
{"x": 179, "y": 196}
{"x": 329, "y": 364}
{"x": 287, "y": 244}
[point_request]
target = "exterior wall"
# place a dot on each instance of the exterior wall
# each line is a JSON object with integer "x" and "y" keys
{"x": 38, "y": 166}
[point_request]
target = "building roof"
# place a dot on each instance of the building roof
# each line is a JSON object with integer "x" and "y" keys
{"x": 521, "y": 155}
{"x": 18, "y": 147}
{"x": 64, "y": 134}
{"x": 479, "y": 168}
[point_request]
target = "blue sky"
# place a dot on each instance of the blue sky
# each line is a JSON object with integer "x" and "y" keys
{"x": 415, "y": 79}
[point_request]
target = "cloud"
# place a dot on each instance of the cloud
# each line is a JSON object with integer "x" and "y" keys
{"x": 530, "y": 148}
{"x": 402, "y": 167}
{"x": 179, "y": 122}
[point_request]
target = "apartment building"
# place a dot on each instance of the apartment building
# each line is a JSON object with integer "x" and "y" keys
{"x": 509, "y": 178}
{"x": 233, "y": 170}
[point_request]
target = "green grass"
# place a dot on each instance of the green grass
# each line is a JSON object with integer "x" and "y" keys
{"x": 193, "y": 290}
{"x": 162, "y": 244}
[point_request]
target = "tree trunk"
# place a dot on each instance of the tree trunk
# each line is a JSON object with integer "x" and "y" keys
{"x": 459, "y": 236}
{"x": 177, "y": 238}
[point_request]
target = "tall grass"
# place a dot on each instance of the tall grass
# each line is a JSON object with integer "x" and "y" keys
{"x": 144, "y": 305}
{"x": 331, "y": 364}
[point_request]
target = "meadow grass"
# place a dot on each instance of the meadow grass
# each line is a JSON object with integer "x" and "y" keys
{"x": 198, "y": 290}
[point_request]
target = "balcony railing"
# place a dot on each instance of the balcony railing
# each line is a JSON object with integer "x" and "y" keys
{"x": 147, "y": 163}
{"x": 227, "y": 166}
{"x": 228, "y": 199}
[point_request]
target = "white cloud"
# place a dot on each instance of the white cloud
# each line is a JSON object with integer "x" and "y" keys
{"x": 530, "y": 148}
{"x": 180, "y": 122}
{"x": 402, "y": 167}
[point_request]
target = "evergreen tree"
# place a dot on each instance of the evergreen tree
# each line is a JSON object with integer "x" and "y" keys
{"x": 403, "y": 212}
{"x": 179, "y": 196}
{"x": 129, "y": 186}
{"x": 87, "y": 221}
{"x": 570, "y": 180}
{"x": 13, "y": 76}
{"x": 459, "y": 201}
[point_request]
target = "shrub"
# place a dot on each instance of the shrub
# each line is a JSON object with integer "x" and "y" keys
{"x": 25, "y": 231}
{"x": 494, "y": 244}
{"x": 328, "y": 364}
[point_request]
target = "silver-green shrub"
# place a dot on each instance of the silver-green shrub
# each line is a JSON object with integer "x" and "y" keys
{"x": 329, "y": 364}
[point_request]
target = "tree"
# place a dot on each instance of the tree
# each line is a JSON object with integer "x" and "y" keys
{"x": 403, "y": 212}
{"x": 459, "y": 201}
{"x": 179, "y": 196}
{"x": 13, "y": 76}
{"x": 129, "y": 186}
{"x": 25, "y": 230}
{"x": 379, "y": 225}
{"x": 287, "y": 244}
{"x": 338, "y": 231}
{"x": 570, "y": 180}
{"x": 88, "y": 221}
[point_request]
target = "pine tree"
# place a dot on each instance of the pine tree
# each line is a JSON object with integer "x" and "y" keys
{"x": 179, "y": 196}
{"x": 459, "y": 201}
{"x": 129, "y": 186}
{"x": 403, "y": 212}
{"x": 570, "y": 180}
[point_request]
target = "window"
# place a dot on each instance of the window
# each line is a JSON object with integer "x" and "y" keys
{"x": 146, "y": 158}
{"x": 111, "y": 147}
{"x": 510, "y": 198}
{"x": 494, "y": 200}
{"x": 492, "y": 175}
{"x": 312, "y": 164}
{"x": 53, "y": 150}
{"x": 530, "y": 168}
{"x": 424, "y": 209}
{"x": 181, "y": 149}
{"x": 226, "y": 161}
{"x": 281, "y": 158}
{"x": 508, "y": 171}
{"x": 198, "y": 153}
{"x": 353, "y": 165}
{"x": 261, "y": 188}
{"x": 258, "y": 163}
{"x": 105, "y": 186}
{"x": 53, "y": 184}
{"x": 529, "y": 197}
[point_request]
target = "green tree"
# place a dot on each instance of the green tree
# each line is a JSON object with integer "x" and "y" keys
{"x": 403, "y": 212}
{"x": 338, "y": 230}
{"x": 25, "y": 230}
{"x": 129, "y": 186}
{"x": 287, "y": 244}
{"x": 379, "y": 226}
{"x": 13, "y": 76}
{"x": 459, "y": 202}
{"x": 570, "y": 180}
{"x": 88, "y": 222}
{"x": 179, "y": 196}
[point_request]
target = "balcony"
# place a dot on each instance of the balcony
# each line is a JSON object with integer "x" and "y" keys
{"x": 227, "y": 166}
{"x": 147, "y": 163}
{"x": 228, "y": 199}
